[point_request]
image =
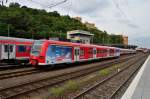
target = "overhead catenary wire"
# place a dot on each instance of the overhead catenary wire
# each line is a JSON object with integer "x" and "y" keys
{"x": 49, "y": 5}
{"x": 120, "y": 10}
{"x": 53, "y": 5}
{"x": 128, "y": 21}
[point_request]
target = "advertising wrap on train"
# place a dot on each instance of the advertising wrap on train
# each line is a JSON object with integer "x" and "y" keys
{"x": 58, "y": 54}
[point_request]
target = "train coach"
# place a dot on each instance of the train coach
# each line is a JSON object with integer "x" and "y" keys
{"x": 14, "y": 50}
{"x": 48, "y": 52}
{"x": 127, "y": 51}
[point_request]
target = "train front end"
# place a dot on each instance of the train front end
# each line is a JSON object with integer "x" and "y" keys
{"x": 37, "y": 56}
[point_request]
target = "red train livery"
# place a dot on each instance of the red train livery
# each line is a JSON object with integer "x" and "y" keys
{"x": 48, "y": 52}
{"x": 15, "y": 49}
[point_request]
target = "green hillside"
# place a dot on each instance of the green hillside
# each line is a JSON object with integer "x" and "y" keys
{"x": 27, "y": 22}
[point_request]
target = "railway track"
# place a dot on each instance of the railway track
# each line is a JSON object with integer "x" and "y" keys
{"x": 26, "y": 87}
{"x": 107, "y": 88}
{"x": 18, "y": 73}
{"x": 7, "y": 67}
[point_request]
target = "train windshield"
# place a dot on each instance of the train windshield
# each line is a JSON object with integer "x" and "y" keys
{"x": 36, "y": 48}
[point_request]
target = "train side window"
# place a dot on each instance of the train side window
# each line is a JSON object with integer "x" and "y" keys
{"x": 82, "y": 52}
{"x": 21, "y": 48}
{"x": 75, "y": 52}
{"x": 78, "y": 52}
{"x": 11, "y": 48}
{"x": 6, "y": 48}
{"x": 91, "y": 51}
{"x": 105, "y": 51}
{"x": 97, "y": 51}
{"x": 94, "y": 51}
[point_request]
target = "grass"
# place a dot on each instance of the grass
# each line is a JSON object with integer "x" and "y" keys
{"x": 104, "y": 72}
{"x": 57, "y": 91}
{"x": 108, "y": 70}
{"x": 69, "y": 86}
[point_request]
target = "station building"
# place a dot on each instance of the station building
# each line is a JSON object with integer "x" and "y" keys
{"x": 80, "y": 36}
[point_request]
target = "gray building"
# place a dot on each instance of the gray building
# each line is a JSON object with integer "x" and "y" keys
{"x": 80, "y": 36}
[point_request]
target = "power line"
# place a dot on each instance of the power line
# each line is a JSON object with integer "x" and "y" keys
{"x": 51, "y": 5}
{"x": 56, "y": 4}
{"x": 120, "y": 10}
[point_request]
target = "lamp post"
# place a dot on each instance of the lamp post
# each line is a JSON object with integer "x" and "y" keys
{"x": 8, "y": 30}
{"x": 8, "y": 34}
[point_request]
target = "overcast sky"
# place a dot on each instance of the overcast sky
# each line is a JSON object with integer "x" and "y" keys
{"x": 127, "y": 17}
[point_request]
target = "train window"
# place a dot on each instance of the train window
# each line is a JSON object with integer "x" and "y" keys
{"x": 6, "y": 48}
{"x": 11, "y": 48}
{"x": 111, "y": 51}
{"x": 75, "y": 52}
{"x": 78, "y": 52}
{"x": 36, "y": 49}
{"x": 105, "y": 51}
{"x": 98, "y": 51}
{"x": 21, "y": 48}
{"x": 90, "y": 51}
{"x": 36, "y": 53}
{"x": 94, "y": 51}
{"x": 101, "y": 51}
{"x": 82, "y": 52}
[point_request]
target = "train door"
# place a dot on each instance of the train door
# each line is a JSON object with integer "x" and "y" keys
{"x": 8, "y": 51}
{"x": 76, "y": 54}
{"x": 108, "y": 52}
{"x": 94, "y": 53}
{"x": 0, "y": 52}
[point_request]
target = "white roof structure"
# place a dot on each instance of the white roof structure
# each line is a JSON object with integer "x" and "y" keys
{"x": 16, "y": 39}
{"x": 80, "y": 32}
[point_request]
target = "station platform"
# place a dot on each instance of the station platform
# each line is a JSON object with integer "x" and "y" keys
{"x": 140, "y": 86}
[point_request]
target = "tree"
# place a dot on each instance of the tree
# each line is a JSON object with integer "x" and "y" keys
{"x": 14, "y": 5}
{"x": 35, "y": 23}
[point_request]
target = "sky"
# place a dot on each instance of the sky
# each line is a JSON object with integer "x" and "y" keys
{"x": 125, "y": 17}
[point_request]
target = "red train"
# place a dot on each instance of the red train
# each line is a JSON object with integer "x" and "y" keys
{"x": 15, "y": 49}
{"x": 48, "y": 52}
